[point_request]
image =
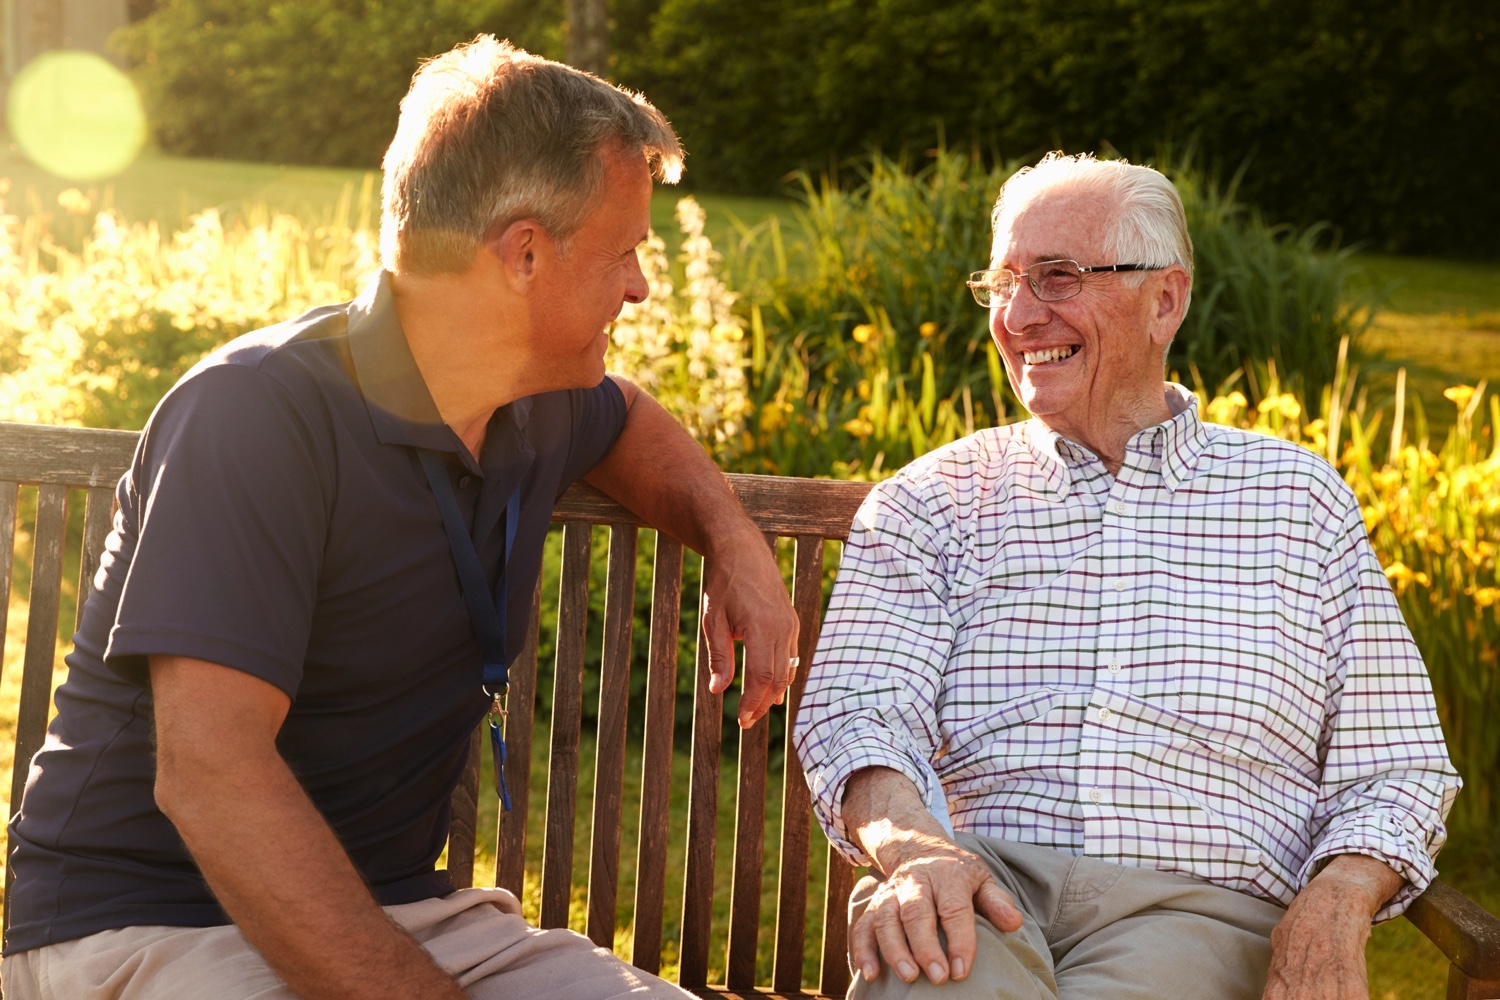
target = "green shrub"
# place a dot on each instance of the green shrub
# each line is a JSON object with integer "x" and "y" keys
{"x": 315, "y": 81}
{"x": 1377, "y": 116}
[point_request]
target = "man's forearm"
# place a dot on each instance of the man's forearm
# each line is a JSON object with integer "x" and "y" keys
{"x": 884, "y": 813}
{"x": 660, "y": 473}
{"x": 268, "y": 855}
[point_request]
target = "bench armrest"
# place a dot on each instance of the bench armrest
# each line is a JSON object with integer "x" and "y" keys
{"x": 1464, "y": 931}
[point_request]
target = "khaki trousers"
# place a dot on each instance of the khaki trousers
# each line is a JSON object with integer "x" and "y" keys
{"x": 477, "y": 935}
{"x": 1098, "y": 931}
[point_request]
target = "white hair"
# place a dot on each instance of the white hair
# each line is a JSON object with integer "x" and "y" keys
{"x": 1150, "y": 226}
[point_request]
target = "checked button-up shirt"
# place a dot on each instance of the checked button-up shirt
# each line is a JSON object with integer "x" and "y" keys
{"x": 1196, "y": 665}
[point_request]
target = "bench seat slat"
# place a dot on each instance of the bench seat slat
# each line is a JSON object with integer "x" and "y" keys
{"x": 791, "y": 895}
{"x": 463, "y": 824}
{"x": 9, "y": 496}
{"x": 567, "y": 721}
{"x": 703, "y": 808}
{"x": 779, "y": 505}
{"x": 65, "y": 456}
{"x": 41, "y": 639}
{"x": 510, "y": 831}
{"x": 609, "y": 750}
{"x": 656, "y": 759}
{"x": 97, "y": 513}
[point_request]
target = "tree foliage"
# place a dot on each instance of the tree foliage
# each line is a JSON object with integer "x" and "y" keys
{"x": 304, "y": 81}
{"x": 1378, "y": 116}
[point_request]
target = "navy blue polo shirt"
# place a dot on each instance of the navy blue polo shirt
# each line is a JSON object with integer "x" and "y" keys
{"x": 276, "y": 520}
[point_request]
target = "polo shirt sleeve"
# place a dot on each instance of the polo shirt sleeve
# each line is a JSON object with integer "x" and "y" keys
{"x": 227, "y": 509}
{"x": 598, "y": 418}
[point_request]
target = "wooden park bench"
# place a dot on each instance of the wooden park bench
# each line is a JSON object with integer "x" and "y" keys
{"x": 813, "y": 513}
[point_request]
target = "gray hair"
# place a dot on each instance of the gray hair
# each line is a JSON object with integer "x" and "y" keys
{"x": 490, "y": 134}
{"x": 1150, "y": 227}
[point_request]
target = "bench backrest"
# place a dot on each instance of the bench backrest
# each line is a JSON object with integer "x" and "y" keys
{"x": 811, "y": 512}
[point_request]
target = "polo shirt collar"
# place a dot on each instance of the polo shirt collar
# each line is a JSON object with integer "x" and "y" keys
{"x": 1179, "y": 442}
{"x": 397, "y": 398}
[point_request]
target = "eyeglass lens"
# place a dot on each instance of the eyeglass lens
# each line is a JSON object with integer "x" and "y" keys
{"x": 1051, "y": 280}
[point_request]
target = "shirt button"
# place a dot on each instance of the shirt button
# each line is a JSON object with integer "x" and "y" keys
{"x": 1114, "y": 666}
{"x": 1119, "y": 585}
{"x": 464, "y": 481}
{"x": 1120, "y": 506}
{"x": 1095, "y": 795}
{"x": 1105, "y": 715}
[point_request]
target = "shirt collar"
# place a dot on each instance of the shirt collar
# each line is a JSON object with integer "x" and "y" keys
{"x": 399, "y": 403}
{"x": 1178, "y": 442}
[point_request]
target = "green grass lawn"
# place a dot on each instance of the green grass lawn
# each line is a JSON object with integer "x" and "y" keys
{"x": 1440, "y": 320}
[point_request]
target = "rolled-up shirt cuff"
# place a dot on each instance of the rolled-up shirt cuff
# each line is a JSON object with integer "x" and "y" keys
{"x": 827, "y": 782}
{"x": 1392, "y": 836}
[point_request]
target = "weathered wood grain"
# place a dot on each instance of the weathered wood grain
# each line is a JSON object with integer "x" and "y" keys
{"x": 463, "y": 825}
{"x": 567, "y": 720}
{"x": 609, "y": 750}
{"x": 703, "y": 814}
{"x": 779, "y": 505}
{"x": 834, "y": 978}
{"x": 9, "y": 501}
{"x": 65, "y": 456}
{"x": 510, "y": 832}
{"x": 97, "y": 513}
{"x": 41, "y": 639}
{"x": 656, "y": 759}
{"x": 1464, "y": 931}
{"x": 791, "y": 892}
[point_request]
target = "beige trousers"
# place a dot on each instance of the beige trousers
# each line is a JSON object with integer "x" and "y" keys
{"x": 1098, "y": 931}
{"x": 477, "y": 935}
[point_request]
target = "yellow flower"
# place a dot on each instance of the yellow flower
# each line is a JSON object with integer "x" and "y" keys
{"x": 1459, "y": 395}
{"x": 1423, "y": 579}
{"x": 928, "y": 329}
{"x": 74, "y": 201}
{"x": 1398, "y": 572}
{"x": 863, "y": 389}
{"x": 859, "y": 428}
{"x": 863, "y": 333}
{"x": 1487, "y": 597}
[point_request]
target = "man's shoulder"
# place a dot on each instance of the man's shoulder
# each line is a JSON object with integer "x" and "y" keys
{"x": 285, "y": 347}
{"x": 1297, "y": 476}
{"x": 959, "y": 474}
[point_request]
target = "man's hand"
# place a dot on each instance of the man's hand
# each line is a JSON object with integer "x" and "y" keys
{"x": 745, "y": 599}
{"x": 930, "y": 882}
{"x": 1318, "y": 948}
{"x": 661, "y": 474}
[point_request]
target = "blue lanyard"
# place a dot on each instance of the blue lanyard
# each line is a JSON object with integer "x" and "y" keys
{"x": 487, "y": 613}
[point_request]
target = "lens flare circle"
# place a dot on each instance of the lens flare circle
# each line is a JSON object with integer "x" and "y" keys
{"x": 76, "y": 116}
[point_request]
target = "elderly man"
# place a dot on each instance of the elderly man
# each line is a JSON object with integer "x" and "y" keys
{"x": 1149, "y": 670}
{"x": 323, "y": 561}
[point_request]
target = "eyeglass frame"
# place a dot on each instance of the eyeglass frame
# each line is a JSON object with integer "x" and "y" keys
{"x": 976, "y": 284}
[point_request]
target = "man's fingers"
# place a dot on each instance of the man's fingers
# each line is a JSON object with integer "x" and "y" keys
{"x": 891, "y": 936}
{"x": 766, "y": 664}
{"x": 864, "y": 951}
{"x": 995, "y": 903}
{"x": 919, "y": 918}
{"x": 720, "y": 648}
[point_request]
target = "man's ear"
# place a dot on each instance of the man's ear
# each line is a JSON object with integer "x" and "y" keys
{"x": 1170, "y": 304}
{"x": 516, "y": 247}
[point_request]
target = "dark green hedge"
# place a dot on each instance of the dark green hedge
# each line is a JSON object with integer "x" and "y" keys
{"x": 1383, "y": 117}
{"x": 306, "y": 81}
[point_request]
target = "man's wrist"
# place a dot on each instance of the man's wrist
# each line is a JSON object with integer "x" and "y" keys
{"x": 1358, "y": 881}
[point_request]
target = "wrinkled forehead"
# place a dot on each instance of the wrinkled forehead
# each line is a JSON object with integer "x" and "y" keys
{"x": 1052, "y": 224}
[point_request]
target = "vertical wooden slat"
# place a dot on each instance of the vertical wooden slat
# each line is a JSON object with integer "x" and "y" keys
{"x": 567, "y": 720}
{"x": 96, "y": 517}
{"x": 463, "y": 808}
{"x": 41, "y": 641}
{"x": 834, "y": 979}
{"x": 791, "y": 892}
{"x": 749, "y": 848}
{"x": 703, "y": 808}
{"x": 510, "y": 831}
{"x": 656, "y": 759}
{"x": 8, "y": 495}
{"x": 609, "y": 752}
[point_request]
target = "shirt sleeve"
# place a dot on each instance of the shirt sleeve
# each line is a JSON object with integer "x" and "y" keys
{"x": 1387, "y": 782}
{"x": 873, "y": 686}
{"x": 229, "y": 504}
{"x": 598, "y": 418}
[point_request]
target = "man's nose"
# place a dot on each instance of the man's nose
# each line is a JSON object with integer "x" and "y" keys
{"x": 1022, "y": 312}
{"x": 636, "y": 288}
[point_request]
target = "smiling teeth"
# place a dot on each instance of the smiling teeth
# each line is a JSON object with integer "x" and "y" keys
{"x": 1043, "y": 357}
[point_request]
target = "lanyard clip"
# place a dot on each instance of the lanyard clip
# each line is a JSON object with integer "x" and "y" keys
{"x": 497, "y": 742}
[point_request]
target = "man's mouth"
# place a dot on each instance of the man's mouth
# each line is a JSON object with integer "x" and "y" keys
{"x": 1048, "y": 356}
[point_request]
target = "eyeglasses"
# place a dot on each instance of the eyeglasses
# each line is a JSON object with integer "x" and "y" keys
{"x": 1051, "y": 280}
